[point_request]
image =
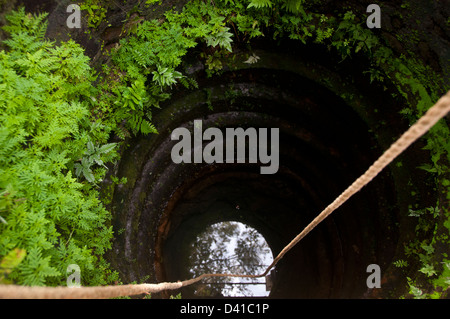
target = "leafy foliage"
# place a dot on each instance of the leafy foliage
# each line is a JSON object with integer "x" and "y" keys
{"x": 153, "y": 51}
{"x": 400, "y": 263}
{"x": 96, "y": 13}
{"x": 165, "y": 76}
{"x": 9, "y": 262}
{"x": 92, "y": 156}
{"x": 45, "y": 126}
{"x": 431, "y": 266}
{"x": 260, "y": 4}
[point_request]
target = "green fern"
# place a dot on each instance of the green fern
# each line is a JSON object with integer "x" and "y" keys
{"x": 294, "y": 6}
{"x": 45, "y": 126}
{"x": 165, "y": 76}
{"x": 260, "y": 4}
{"x": 220, "y": 37}
{"x": 93, "y": 155}
{"x": 400, "y": 263}
{"x": 9, "y": 263}
{"x": 140, "y": 124}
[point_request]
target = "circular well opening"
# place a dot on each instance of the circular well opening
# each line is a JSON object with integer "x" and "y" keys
{"x": 230, "y": 248}
{"x": 169, "y": 206}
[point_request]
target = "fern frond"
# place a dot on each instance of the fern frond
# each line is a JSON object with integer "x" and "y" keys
{"x": 293, "y": 6}
{"x": 260, "y": 4}
{"x": 147, "y": 127}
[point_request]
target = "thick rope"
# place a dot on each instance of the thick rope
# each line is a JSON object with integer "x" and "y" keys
{"x": 434, "y": 114}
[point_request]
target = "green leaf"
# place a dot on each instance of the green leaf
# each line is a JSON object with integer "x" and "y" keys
{"x": 36, "y": 268}
{"x": 90, "y": 148}
{"x": 428, "y": 248}
{"x": 417, "y": 292}
{"x": 106, "y": 148}
{"x": 428, "y": 270}
{"x": 87, "y": 172}
{"x": 147, "y": 127}
{"x": 429, "y": 168}
{"x": 9, "y": 262}
{"x": 260, "y": 4}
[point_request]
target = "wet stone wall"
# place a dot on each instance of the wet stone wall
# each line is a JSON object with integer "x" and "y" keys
{"x": 324, "y": 145}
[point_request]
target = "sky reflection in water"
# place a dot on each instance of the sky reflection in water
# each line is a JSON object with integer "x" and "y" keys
{"x": 230, "y": 247}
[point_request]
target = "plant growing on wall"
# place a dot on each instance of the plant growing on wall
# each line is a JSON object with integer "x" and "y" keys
{"x": 49, "y": 218}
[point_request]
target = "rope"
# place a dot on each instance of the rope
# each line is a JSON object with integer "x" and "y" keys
{"x": 431, "y": 117}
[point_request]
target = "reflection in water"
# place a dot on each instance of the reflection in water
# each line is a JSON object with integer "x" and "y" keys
{"x": 230, "y": 247}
